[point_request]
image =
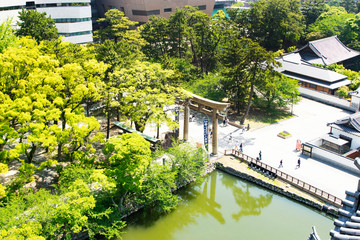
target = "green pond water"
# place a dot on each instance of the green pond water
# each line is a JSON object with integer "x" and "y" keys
{"x": 225, "y": 208}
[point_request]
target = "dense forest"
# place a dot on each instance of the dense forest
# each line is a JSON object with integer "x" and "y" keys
{"x": 50, "y": 88}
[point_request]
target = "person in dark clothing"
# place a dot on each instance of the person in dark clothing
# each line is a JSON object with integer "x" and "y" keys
{"x": 298, "y": 165}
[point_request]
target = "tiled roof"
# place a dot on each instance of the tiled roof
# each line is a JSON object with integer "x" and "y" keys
{"x": 293, "y": 67}
{"x": 351, "y": 121}
{"x": 326, "y": 51}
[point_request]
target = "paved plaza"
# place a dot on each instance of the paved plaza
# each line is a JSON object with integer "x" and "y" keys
{"x": 308, "y": 123}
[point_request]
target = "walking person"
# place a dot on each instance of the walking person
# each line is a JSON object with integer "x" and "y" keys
{"x": 230, "y": 138}
{"x": 260, "y": 155}
{"x": 281, "y": 164}
{"x": 298, "y": 165}
{"x": 241, "y": 147}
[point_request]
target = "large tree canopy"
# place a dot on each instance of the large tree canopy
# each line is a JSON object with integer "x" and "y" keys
{"x": 36, "y": 25}
{"x": 274, "y": 24}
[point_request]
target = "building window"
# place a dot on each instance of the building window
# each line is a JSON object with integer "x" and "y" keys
{"x": 122, "y": 9}
{"x": 167, "y": 9}
{"x": 145, "y": 13}
{"x": 202, "y": 7}
{"x": 30, "y": 5}
{"x": 313, "y": 86}
{"x": 74, "y": 34}
{"x": 71, "y": 20}
{"x": 10, "y": 8}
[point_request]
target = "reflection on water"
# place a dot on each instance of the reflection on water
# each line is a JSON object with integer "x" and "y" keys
{"x": 224, "y": 207}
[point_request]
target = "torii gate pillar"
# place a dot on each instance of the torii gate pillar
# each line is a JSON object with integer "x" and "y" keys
{"x": 215, "y": 132}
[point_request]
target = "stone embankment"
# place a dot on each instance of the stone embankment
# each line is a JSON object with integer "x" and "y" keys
{"x": 239, "y": 169}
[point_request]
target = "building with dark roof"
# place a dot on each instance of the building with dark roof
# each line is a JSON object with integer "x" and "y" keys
{"x": 327, "y": 51}
{"x": 309, "y": 76}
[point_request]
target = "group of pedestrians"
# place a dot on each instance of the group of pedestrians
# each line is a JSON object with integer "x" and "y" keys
{"x": 297, "y": 166}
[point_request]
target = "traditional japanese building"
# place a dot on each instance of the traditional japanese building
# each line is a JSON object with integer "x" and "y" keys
{"x": 327, "y": 51}
{"x": 309, "y": 76}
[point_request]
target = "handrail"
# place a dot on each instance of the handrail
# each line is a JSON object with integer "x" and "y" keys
{"x": 288, "y": 178}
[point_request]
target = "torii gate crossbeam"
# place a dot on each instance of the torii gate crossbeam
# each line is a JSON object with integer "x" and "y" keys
{"x": 201, "y": 102}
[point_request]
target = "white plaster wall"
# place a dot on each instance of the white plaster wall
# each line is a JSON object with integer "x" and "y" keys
{"x": 74, "y": 27}
{"x": 335, "y": 160}
{"x": 67, "y": 12}
{"x": 79, "y": 39}
{"x": 355, "y": 143}
{"x": 14, "y": 14}
{"x": 8, "y": 3}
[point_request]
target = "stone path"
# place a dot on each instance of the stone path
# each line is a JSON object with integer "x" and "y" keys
{"x": 308, "y": 123}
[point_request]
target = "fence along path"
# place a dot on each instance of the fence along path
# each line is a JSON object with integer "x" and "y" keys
{"x": 287, "y": 178}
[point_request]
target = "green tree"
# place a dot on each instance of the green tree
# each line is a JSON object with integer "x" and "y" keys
{"x": 7, "y": 35}
{"x": 144, "y": 90}
{"x": 128, "y": 156}
{"x": 156, "y": 33}
{"x": 278, "y": 90}
{"x": 351, "y": 33}
{"x": 330, "y": 23}
{"x": 274, "y": 24}
{"x": 245, "y": 64}
{"x": 312, "y": 9}
{"x": 349, "y": 5}
{"x": 36, "y": 25}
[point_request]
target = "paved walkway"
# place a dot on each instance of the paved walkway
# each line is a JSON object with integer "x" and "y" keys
{"x": 308, "y": 123}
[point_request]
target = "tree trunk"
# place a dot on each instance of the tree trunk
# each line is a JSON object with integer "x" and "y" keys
{"x": 249, "y": 104}
{"x": 108, "y": 124}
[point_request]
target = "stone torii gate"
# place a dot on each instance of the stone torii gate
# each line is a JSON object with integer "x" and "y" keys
{"x": 208, "y": 107}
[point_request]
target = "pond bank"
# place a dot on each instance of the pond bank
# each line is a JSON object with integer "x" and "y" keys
{"x": 235, "y": 167}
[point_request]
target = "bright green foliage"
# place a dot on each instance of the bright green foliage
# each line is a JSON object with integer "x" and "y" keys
{"x": 156, "y": 191}
{"x": 36, "y": 25}
{"x": 274, "y": 24}
{"x": 128, "y": 155}
{"x": 278, "y": 90}
{"x": 7, "y": 35}
{"x": 2, "y": 191}
{"x": 209, "y": 87}
{"x": 343, "y": 92}
{"x": 3, "y": 168}
{"x": 146, "y": 90}
{"x": 330, "y": 23}
{"x": 187, "y": 162}
{"x": 115, "y": 26}
{"x": 351, "y": 32}
{"x": 353, "y": 76}
{"x": 312, "y": 9}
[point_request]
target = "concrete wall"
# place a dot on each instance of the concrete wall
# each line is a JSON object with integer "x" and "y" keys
{"x": 326, "y": 98}
{"x": 333, "y": 159}
{"x": 149, "y": 5}
{"x": 355, "y": 143}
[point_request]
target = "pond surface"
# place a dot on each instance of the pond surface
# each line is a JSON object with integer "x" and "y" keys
{"x": 225, "y": 207}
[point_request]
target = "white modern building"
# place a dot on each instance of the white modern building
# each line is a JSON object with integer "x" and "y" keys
{"x": 72, "y": 18}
